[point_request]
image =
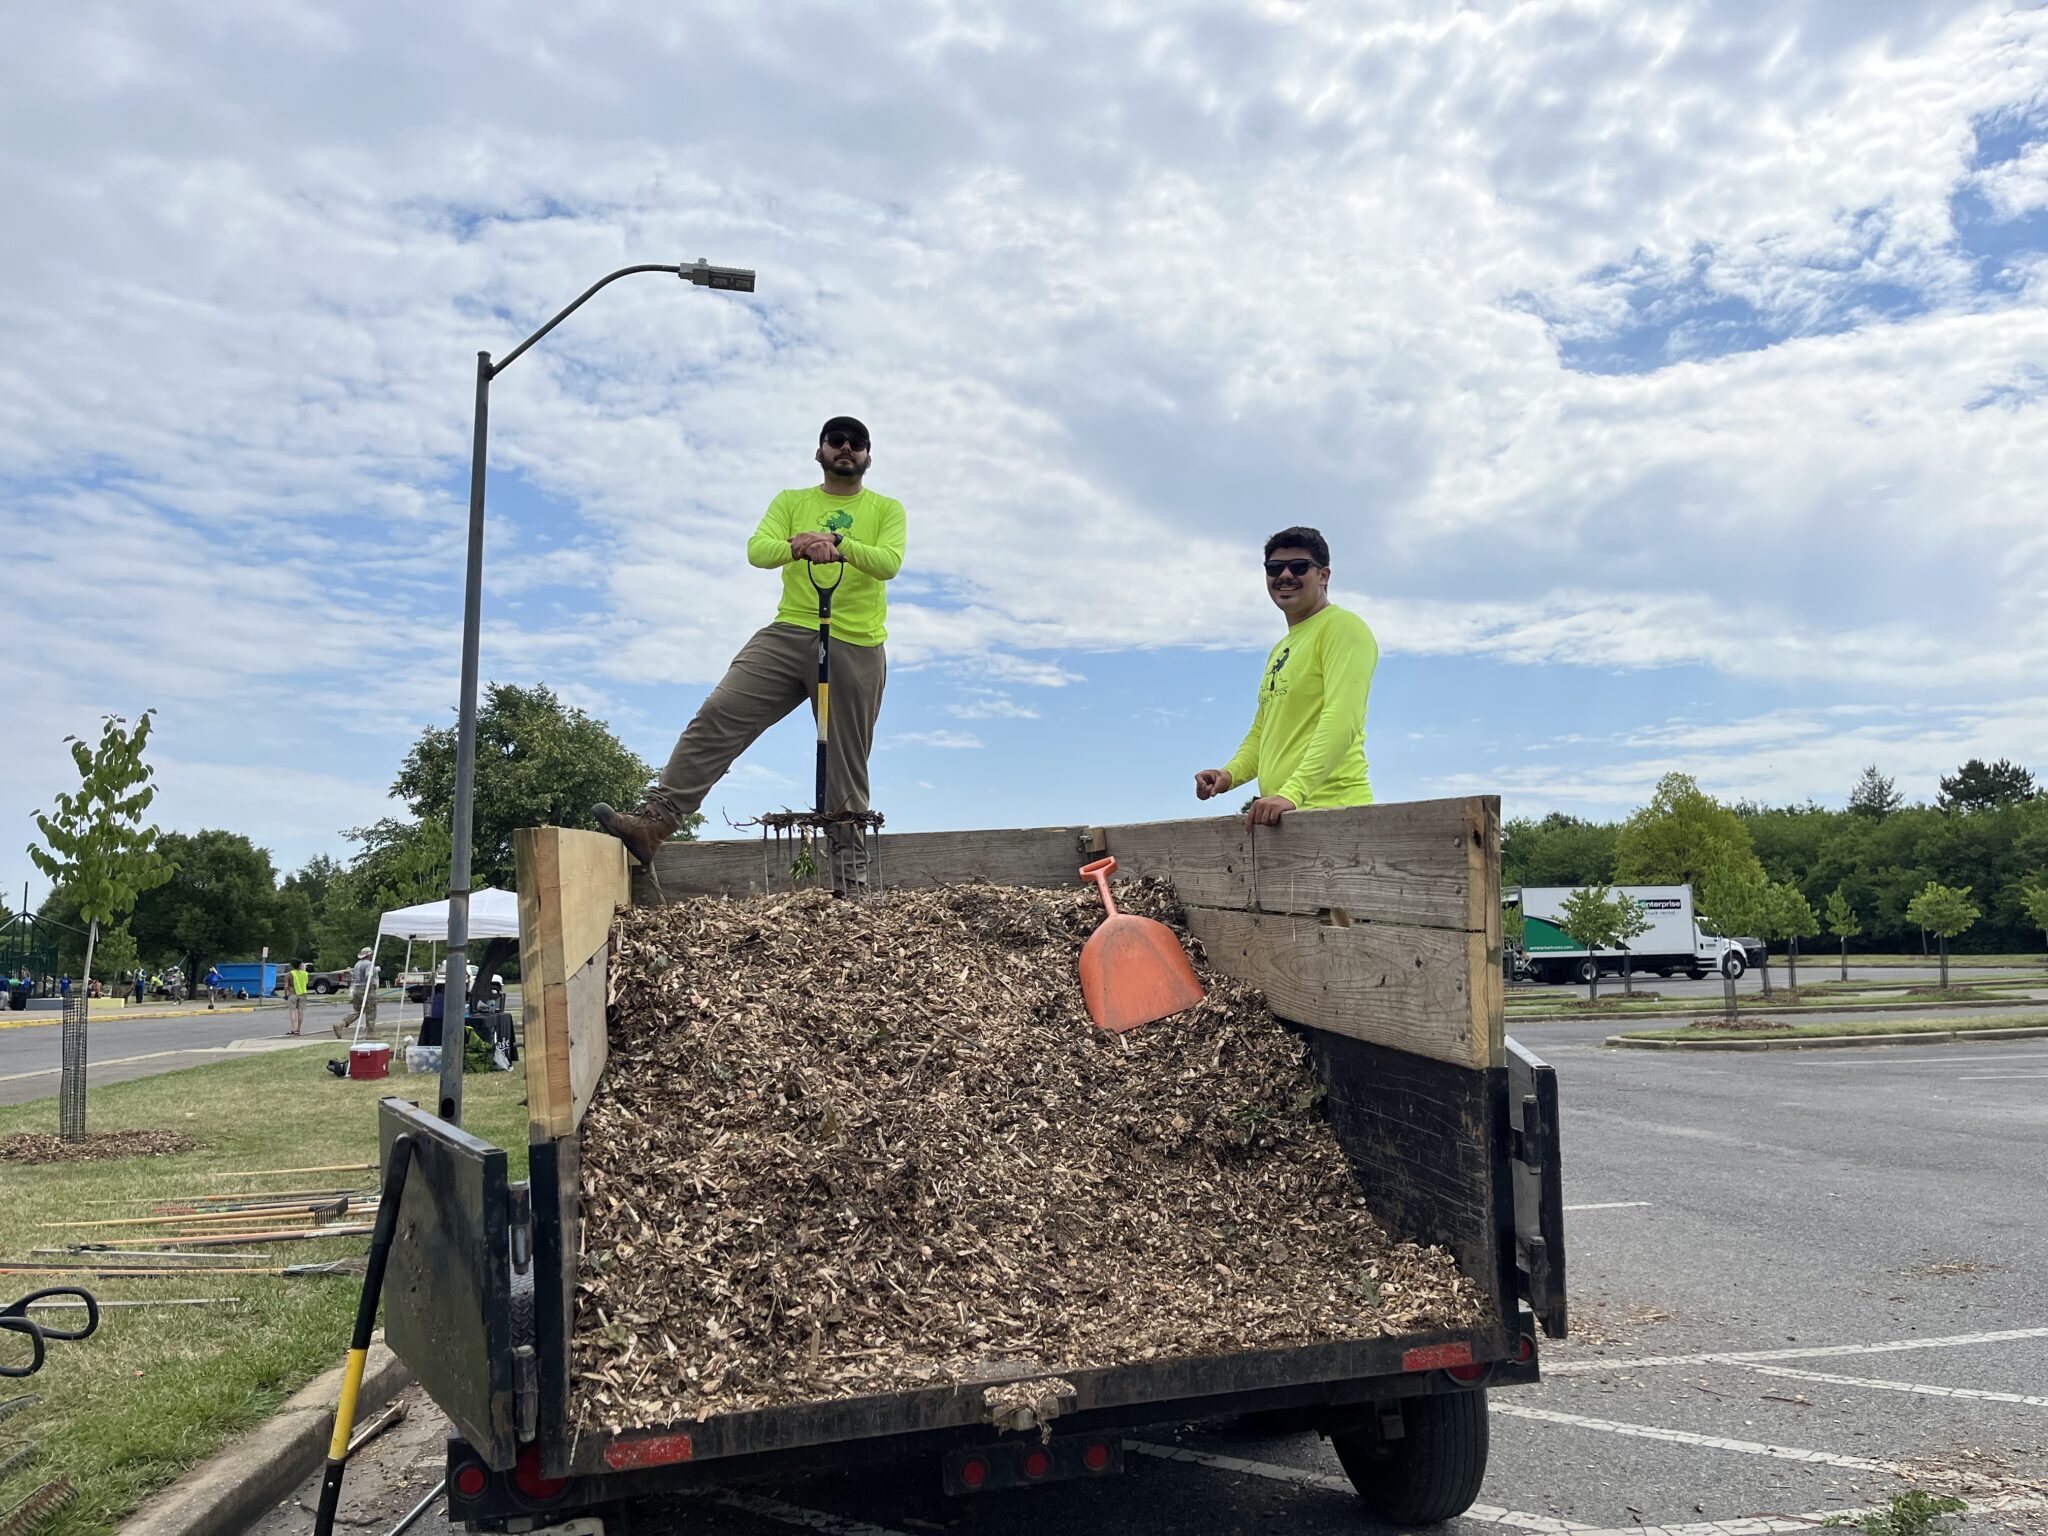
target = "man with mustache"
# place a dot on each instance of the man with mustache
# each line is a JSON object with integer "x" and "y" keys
{"x": 1307, "y": 741}
{"x": 841, "y": 531}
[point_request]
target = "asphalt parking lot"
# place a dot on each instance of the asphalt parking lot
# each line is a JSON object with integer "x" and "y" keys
{"x": 1802, "y": 1283}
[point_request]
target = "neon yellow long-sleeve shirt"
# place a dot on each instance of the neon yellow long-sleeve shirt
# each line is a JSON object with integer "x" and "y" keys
{"x": 1307, "y": 740}
{"x": 871, "y": 537}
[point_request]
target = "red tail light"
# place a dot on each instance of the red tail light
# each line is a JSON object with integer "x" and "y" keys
{"x": 1095, "y": 1456}
{"x": 527, "y": 1478}
{"x": 973, "y": 1472}
{"x": 1037, "y": 1464}
{"x": 470, "y": 1480}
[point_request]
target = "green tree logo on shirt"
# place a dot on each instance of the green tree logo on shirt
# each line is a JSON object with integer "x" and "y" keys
{"x": 839, "y": 521}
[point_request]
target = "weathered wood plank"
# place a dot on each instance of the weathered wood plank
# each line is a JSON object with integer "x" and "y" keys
{"x": 1483, "y": 954}
{"x": 1041, "y": 856}
{"x": 570, "y": 884}
{"x": 1417, "y": 862}
{"x": 1402, "y": 987}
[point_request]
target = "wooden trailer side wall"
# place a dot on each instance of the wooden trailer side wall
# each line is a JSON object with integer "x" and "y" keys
{"x": 570, "y": 885}
{"x": 1381, "y": 922}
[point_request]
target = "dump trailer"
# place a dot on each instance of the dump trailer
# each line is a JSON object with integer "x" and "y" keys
{"x": 1374, "y": 931}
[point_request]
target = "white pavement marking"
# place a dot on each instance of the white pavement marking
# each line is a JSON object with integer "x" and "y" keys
{"x": 233, "y": 1048}
{"x": 1301, "y": 1477}
{"x": 2001, "y": 1077}
{"x": 1813, "y": 1352}
{"x": 1689, "y": 1437}
{"x": 1768, "y": 1525}
{"x": 1608, "y": 1205}
{"x": 1920, "y": 1389}
{"x": 1946, "y": 1058}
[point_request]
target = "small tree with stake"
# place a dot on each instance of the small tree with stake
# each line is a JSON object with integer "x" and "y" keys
{"x": 1843, "y": 923}
{"x": 1793, "y": 917}
{"x": 1945, "y": 911}
{"x": 1630, "y": 924}
{"x": 98, "y": 848}
{"x": 1589, "y": 916}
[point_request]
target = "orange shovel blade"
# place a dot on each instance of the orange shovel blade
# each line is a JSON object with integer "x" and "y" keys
{"x": 1133, "y": 971}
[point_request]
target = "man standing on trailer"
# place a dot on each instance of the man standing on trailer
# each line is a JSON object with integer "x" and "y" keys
{"x": 839, "y": 523}
{"x": 1307, "y": 741}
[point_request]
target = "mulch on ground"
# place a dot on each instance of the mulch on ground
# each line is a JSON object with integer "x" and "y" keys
{"x": 98, "y": 1146}
{"x": 845, "y": 1148}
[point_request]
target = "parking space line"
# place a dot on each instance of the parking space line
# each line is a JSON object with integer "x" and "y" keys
{"x": 2001, "y": 1077}
{"x": 1691, "y": 1437}
{"x": 1769, "y": 1525}
{"x": 1976, "y": 1394}
{"x": 1804, "y": 1352}
{"x": 1333, "y": 1482}
{"x": 1608, "y": 1205}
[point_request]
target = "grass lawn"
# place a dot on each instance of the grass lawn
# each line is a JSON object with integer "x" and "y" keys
{"x": 1864, "y": 1026}
{"x": 158, "y": 1389}
{"x": 2031, "y": 960}
{"x": 1782, "y": 999}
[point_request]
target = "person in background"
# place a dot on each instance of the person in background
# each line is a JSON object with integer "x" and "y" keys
{"x": 296, "y": 982}
{"x": 362, "y": 996}
{"x": 1307, "y": 742}
{"x": 64, "y": 985}
{"x": 215, "y": 986}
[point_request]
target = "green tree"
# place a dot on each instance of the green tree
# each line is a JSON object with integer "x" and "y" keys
{"x": 1979, "y": 785}
{"x": 115, "y": 954}
{"x": 538, "y": 762}
{"x": 220, "y": 905}
{"x": 1558, "y": 850}
{"x": 1683, "y": 836}
{"x": 1875, "y": 795}
{"x": 1944, "y": 911}
{"x": 1843, "y": 923}
{"x": 96, "y": 845}
{"x": 1589, "y": 915}
{"x": 2034, "y": 899}
{"x": 1630, "y": 924}
{"x": 1793, "y": 917}
{"x": 1737, "y": 903}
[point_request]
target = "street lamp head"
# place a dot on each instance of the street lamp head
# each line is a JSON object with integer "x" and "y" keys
{"x": 704, "y": 275}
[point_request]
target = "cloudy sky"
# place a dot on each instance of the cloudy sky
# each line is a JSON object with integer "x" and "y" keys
{"x": 1671, "y": 382}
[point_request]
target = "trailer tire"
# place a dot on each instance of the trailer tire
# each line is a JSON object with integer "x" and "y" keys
{"x": 1433, "y": 1472}
{"x": 1733, "y": 965}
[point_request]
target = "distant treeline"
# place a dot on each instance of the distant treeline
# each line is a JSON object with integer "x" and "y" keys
{"x": 1987, "y": 831}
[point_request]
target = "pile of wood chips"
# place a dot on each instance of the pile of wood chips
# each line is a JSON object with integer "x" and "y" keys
{"x": 98, "y": 1146}
{"x": 845, "y": 1148}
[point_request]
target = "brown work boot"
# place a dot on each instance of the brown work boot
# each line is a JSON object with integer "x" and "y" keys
{"x": 641, "y": 830}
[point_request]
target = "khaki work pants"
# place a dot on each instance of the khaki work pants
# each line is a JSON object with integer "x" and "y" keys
{"x": 774, "y": 672}
{"x": 364, "y": 1004}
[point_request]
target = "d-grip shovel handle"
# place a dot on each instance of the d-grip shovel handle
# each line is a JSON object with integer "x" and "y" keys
{"x": 1099, "y": 872}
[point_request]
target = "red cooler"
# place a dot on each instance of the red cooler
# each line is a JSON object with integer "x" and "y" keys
{"x": 369, "y": 1060}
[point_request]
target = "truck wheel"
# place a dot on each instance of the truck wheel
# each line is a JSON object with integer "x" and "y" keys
{"x": 1697, "y": 974}
{"x": 323, "y": 986}
{"x": 1663, "y": 973}
{"x": 1733, "y": 965}
{"x": 1586, "y": 970}
{"x": 1433, "y": 1471}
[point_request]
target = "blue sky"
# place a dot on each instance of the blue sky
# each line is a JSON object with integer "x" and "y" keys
{"x": 1669, "y": 382}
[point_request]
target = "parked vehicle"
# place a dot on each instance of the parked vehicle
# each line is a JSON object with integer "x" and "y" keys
{"x": 1676, "y": 940}
{"x": 1454, "y": 1134}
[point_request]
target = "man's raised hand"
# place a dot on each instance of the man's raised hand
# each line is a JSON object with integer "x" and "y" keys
{"x": 1211, "y": 782}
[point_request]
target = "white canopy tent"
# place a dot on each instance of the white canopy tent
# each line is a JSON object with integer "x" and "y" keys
{"x": 493, "y": 914}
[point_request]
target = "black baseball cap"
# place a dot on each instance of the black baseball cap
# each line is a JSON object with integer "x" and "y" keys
{"x": 852, "y": 426}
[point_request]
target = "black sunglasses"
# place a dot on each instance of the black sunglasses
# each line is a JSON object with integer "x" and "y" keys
{"x": 1291, "y": 567}
{"x": 845, "y": 440}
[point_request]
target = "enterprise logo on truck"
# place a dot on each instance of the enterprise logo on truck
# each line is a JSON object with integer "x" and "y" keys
{"x": 1659, "y": 903}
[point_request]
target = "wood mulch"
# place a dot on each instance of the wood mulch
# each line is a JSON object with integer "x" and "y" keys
{"x": 845, "y": 1148}
{"x": 98, "y": 1146}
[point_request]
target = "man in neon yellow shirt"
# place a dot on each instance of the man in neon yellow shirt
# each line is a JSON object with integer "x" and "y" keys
{"x": 805, "y": 533}
{"x": 1307, "y": 741}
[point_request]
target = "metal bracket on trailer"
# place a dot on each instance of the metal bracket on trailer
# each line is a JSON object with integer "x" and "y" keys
{"x": 1539, "y": 1186}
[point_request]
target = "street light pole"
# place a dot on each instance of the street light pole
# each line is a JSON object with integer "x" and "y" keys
{"x": 455, "y": 982}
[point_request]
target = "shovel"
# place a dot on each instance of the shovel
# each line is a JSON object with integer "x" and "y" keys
{"x": 1133, "y": 970}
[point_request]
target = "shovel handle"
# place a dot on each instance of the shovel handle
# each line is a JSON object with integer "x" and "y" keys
{"x": 1099, "y": 872}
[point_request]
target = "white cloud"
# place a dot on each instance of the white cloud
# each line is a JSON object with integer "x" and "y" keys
{"x": 1119, "y": 292}
{"x": 950, "y": 740}
{"x": 991, "y": 705}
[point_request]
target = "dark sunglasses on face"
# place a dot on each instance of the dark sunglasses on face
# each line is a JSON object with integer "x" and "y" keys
{"x": 1291, "y": 567}
{"x": 844, "y": 440}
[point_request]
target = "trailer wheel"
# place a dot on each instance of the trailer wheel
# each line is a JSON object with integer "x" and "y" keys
{"x": 1733, "y": 965}
{"x": 1433, "y": 1471}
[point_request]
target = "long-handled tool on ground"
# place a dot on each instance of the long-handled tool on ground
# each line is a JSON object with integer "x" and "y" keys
{"x": 1133, "y": 970}
{"x": 14, "y": 1318}
{"x": 359, "y": 1342}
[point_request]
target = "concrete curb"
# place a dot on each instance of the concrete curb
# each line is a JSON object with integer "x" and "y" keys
{"x": 1717, "y": 1011}
{"x": 231, "y": 1491}
{"x": 1828, "y": 1042}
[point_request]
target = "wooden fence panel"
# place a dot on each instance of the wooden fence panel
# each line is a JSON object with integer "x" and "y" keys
{"x": 1041, "y": 856}
{"x": 570, "y": 885}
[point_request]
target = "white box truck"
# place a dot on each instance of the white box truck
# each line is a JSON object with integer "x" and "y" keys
{"x": 1675, "y": 940}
